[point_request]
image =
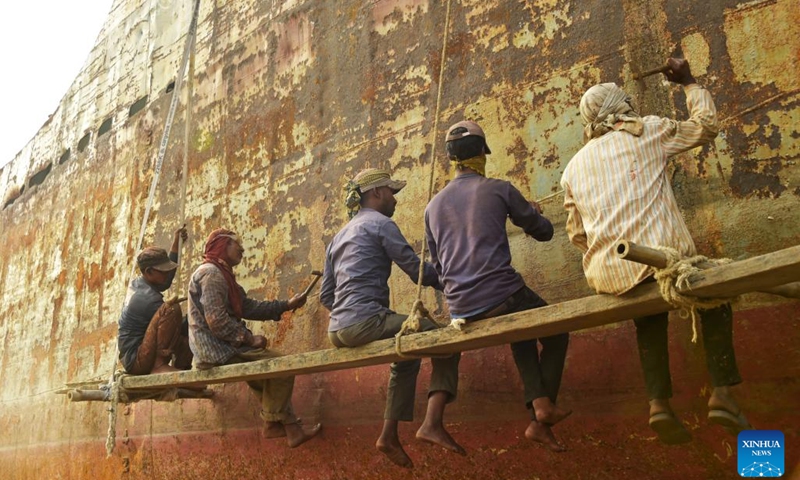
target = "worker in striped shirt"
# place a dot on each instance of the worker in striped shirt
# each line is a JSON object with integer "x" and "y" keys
{"x": 616, "y": 187}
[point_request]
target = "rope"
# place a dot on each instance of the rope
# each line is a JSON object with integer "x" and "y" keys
{"x": 111, "y": 437}
{"x": 676, "y": 276}
{"x": 418, "y": 311}
{"x": 162, "y": 150}
{"x": 186, "y": 141}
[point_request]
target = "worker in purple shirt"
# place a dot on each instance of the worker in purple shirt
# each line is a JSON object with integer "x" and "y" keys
{"x": 355, "y": 289}
{"x": 465, "y": 225}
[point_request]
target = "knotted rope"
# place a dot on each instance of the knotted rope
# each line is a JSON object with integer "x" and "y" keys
{"x": 114, "y": 394}
{"x": 676, "y": 276}
{"x": 418, "y": 311}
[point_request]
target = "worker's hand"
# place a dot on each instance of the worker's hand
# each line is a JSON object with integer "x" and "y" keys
{"x": 175, "y": 300}
{"x": 536, "y": 207}
{"x": 259, "y": 341}
{"x": 297, "y": 301}
{"x": 182, "y": 233}
{"x": 679, "y": 71}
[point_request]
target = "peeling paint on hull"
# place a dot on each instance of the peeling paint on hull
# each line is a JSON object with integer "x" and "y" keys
{"x": 291, "y": 99}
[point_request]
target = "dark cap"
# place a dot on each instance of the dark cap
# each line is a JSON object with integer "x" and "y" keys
{"x": 157, "y": 258}
{"x": 471, "y": 127}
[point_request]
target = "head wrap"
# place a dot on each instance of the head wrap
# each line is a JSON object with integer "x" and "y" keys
{"x": 214, "y": 253}
{"x": 365, "y": 181}
{"x": 477, "y": 163}
{"x": 606, "y": 107}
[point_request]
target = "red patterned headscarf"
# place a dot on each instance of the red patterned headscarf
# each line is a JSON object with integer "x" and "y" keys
{"x": 214, "y": 253}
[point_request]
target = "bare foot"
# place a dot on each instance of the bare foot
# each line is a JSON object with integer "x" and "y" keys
{"x": 539, "y": 432}
{"x": 439, "y": 436}
{"x": 165, "y": 368}
{"x": 299, "y": 434}
{"x": 549, "y": 413}
{"x": 394, "y": 452}
{"x": 274, "y": 430}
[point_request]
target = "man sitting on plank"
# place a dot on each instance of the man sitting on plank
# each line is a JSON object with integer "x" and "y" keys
{"x": 617, "y": 187}
{"x": 151, "y": 331}
{"x": 465, "y": 225}
{"x": 355, "y": 289}
{"x": 218, "y": 336}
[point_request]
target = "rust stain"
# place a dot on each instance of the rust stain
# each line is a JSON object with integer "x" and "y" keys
{"x": 291, "y": 99}
{"x": 751, "y": 177}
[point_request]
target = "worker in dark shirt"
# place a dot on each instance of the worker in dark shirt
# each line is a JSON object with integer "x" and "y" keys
{"x": 465, "y": 225}
{"x": 151, "y": 331}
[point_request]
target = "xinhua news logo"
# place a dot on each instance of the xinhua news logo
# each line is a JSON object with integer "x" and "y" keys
{"x": 760, "y": 453}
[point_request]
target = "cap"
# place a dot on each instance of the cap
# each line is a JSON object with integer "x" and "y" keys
{"x": 374, "y": 178}
{"x": 472, "y": 129}
{"x": 157, "y": 258}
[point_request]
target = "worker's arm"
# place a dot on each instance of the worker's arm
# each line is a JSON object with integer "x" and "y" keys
{"x": 328, "y": 289}
{"x": 268, "y": 309}
{"x": 574, "y": 227}
{"x": 432, "y": 247}
{"x": 401, "y": 253}
{"x": 527, "y": 215}
{"x": 173, "y": 252}
{"x": 702, "y": 126}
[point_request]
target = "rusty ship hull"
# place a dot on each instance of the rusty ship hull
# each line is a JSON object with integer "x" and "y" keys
{"x": 290, "y": 100}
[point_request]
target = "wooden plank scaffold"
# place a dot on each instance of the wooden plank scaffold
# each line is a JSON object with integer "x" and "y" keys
{"x": 754, "y": 274}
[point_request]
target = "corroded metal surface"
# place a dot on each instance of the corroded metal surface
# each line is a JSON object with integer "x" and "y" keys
{"x": 291, "y": 99}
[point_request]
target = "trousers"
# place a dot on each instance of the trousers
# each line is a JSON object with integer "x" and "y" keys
{"x": 540, "y": 372}
{"x": 403, "y": 375}
{"x": 162, "y": 339}
{"x": 717, "y": 331}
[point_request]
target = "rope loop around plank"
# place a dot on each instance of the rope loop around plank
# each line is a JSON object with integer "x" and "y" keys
{"x": 676, "y": 276}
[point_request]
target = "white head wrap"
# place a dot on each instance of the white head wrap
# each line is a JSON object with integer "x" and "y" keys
{"x": 606, "y": 107}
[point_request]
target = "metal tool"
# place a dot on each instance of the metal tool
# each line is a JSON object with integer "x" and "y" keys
{"x": 652, "y": 71}
{"x": 317, "y": 275}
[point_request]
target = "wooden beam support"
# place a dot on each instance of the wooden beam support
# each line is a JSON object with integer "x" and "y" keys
{"x": 777, "y": 268}
{"x": 658, "y": 259}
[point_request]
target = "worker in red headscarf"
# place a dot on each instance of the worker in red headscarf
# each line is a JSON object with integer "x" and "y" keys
{"x": 219, "y": 336}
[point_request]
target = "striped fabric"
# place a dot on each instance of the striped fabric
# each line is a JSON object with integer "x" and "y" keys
{"x": 616, "y": 187}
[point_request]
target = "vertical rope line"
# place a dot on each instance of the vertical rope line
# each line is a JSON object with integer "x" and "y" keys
{"x": 434, "y": 133}
{"x": 186, "y": 141}
{"x": 162, "y": 150}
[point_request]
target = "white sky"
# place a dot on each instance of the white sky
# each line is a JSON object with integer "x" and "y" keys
{"x": 43, "y": 46}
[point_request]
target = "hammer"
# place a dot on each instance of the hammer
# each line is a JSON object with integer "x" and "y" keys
{"x": 317, "y": 274}
{"x": 652, "y": 71}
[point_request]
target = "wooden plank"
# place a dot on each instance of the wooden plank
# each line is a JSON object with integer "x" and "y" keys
{"x": 658, "y": 259}
{"x": 755, "y": 273}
